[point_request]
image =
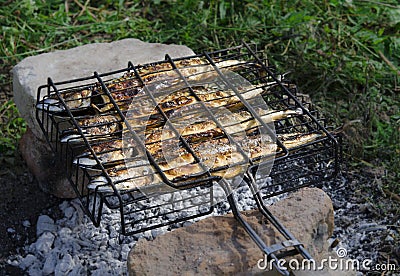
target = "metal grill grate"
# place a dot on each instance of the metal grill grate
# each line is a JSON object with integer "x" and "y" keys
{"x": 114, "y": 129}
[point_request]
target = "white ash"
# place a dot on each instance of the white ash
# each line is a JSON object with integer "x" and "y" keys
{"x": 73, "y": 245}
{"x": 360, "y": 227}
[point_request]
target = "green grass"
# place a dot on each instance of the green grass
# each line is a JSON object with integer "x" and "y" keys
{"x": 345, "y": 54}
{"x": 12, "y": 127}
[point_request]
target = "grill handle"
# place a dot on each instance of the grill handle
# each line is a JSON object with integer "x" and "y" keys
{"x": 264, "y": 210}
{"x": 269, "y": 251}
{"x": 250, "y": 231}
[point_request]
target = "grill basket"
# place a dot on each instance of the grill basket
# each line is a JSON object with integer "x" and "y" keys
{"x": 108, "y": 97}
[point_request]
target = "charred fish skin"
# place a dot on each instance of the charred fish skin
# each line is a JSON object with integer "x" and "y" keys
{"x": 135, "y": 174}
{"x": 73, "y": 99}
{"x": 191, "y": 68}
{"x": 159, "y": 139}
{"x": 215, "y": 154}
{"x": 144, "y": 106}
{"x": 294, "y": 140}
{"x": 123, "y": 91}
{"x": 145, "y": 113}
{"x": 128, "y": 86}
{"x": 233, "y": 123}
{"x": 256, "y": 148}
{"x": 96, "y": 126}
{"x": 179, "y": 168}
{"x": 108, "y": 152}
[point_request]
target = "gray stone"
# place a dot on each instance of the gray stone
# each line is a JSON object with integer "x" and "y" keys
{"x": 78, "y": 269}
{"x": 69, "y": 212}
{"x": 64, "y": 234}
{"x": 62, "y": 65}
{"x": 45, "y": 223}
{"x": 47, "y": 168}
{"x": 50, "y": 264}
{"x": 78, "y": 62}
{"x": 26, "y": 223}
{"x": 28, "y": 261}
{"x": 11, "y": 230}
{"x": 125, "y": 251}
{"x": 44, "y": 243}
{"x": 34, "y": 269}
{"x": 65, "y": 265}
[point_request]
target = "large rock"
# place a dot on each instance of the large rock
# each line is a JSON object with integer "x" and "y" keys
{"x": 79, "y": 62}
{"x": 220, "y": 246}
{"x": 63, "y": 65}
{"x": 47, "y": 167}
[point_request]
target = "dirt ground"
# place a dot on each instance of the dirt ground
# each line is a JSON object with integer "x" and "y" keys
{"x": 21, "y": 202}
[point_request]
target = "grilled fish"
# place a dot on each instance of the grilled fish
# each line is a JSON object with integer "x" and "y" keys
{"x": 214, "y": 154}
{"x": 108, "y": 152}
{"x": 125, "y": 179}
{"x": 93, "y": 127}
{"x": 144, "y": 113}
{"x": 73, "y": 99}
{"x": 233, "y": 123}
{"x": 211, "y": 155}
{"x": 170, "y": 99}
{"x": 161, "y": 77}
{"x": 193, "y": 69}
{"x": 219, "y": 153}
{"x": 294, "y": 140}
{"x": 252, "y": 148}
{"x": 125, "y": 88}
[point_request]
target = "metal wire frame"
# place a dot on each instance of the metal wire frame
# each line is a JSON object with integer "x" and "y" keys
{"x": 118, "y": 199}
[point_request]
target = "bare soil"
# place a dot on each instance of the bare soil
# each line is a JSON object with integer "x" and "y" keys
{"x": 21, "y": 202}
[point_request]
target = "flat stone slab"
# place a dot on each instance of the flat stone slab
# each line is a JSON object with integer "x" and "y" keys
{"x": 63, "y": 65}
{"x": 78, "y": 62}
{"x": 47, "y": 167}
{"x": 220, "y": 246}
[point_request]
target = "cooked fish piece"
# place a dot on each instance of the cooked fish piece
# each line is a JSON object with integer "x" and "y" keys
{"x": 125, "y": 179}
{"x": 206, "y": 128}
{"x": 254, "y": 146}
{"x": 108, "y": 152}
{"x": 159, "y": 139}
{"x": 193, "y": 69}
{"x": 193, "y": 132}
{"x": 218, "y": 152}
{"x": 145, "y": 113}
{"x": 73, "y": 99}
{"x": 93, "y": 126}
{"x": 294, "y": 140}
{"x": 123, "y": 91}
{"x": 128, "y": 87}
{"x": 214, "y": 154}
{"x": 140, "y": 105}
